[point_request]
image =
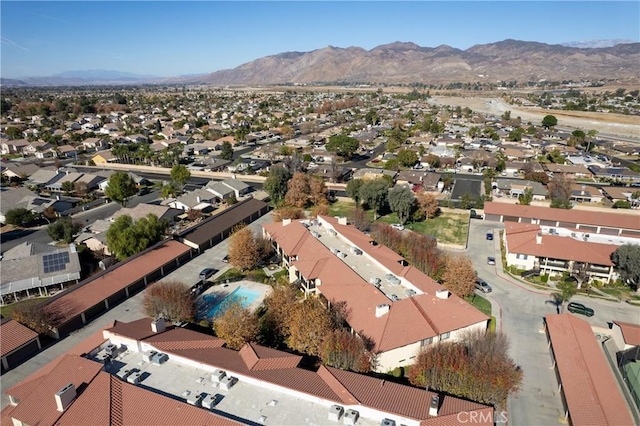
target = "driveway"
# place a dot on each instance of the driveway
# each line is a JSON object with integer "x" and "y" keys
{"x": 521, "y": 313}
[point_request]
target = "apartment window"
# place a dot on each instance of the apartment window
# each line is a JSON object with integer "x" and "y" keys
{"x": 426, "y": 342}
{"x": 524, "y": 256}
{"x": 445, "y": 336}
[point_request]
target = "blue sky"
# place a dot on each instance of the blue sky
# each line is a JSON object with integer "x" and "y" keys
{"x": 177, "y": 38}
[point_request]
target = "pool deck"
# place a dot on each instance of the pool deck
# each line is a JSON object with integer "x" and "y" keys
{"x": 221, "y": 291}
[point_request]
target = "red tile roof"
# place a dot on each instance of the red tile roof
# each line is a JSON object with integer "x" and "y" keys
{"x": 613, "y": 220}
{"x": 591, "y": 392}
{"x": 110, "y": 401}
{"x": 630, "y": 332}
{"x": 138, "y": 329}
{"x": 95, "y": 290}
{"x": 14, "y": 335}
{"x": 521, "y": 239}
{"x": 408, "y": 321}
{"x": 327, "y": 383}
{"x": 37, "y": 404}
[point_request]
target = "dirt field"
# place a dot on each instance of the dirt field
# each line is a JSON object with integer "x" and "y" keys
{"x": 606, "y": 124}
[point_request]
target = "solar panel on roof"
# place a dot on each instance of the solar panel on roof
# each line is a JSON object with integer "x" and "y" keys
{"x": 55, "y": 262}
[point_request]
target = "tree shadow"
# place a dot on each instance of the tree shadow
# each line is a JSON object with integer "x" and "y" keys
{"x": 556, "y": 300}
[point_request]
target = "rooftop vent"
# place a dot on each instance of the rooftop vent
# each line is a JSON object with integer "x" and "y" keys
{"x": 442, "y": 294}
{"x": 65, "y": 396}
{"x": 388, "y": 422}
{"x": 135, "y": 378}
{"x": 262, "y": 419}
{"x": 350, "y": 417}
{"x": 196, "y": 399}
{"x": 148, "y": 356}
{"x": 158, "y": 325}
{"x": 227, "y": 382}
{"x": 217, "y": 376}
{"x": 335, "y": 412}
{"x": 382, "y": 310}
{"x": 434, "y": 406}
{"x": 538, "y": 238}
{"x": 211, "y": 401}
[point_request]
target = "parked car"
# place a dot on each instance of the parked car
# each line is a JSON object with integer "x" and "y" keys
{"x": 579, "y": 308}
{"x": 207, "y": 273}
{"x": 483, "y": 286}
{"x": 491, "y": 260}
{"x": 398, "y": 226}
{"x": 226, "y": 259}
{"x": 490, "y": 236}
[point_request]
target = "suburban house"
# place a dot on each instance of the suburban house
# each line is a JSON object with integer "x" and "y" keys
{"x": 149, "y": 372}
{"x": 368, "y": 174}
{"x": 142, "y": 210}
{"x": 67, "y": 151}
{"x": 516, "y": 187}
{"x": 395, "y": 305}
{"x": 590, "y": 392}
{"x": 569, "y": 170}
{"x": 554, "y": 250}
{"x": 418, "y": 179}
{"x": 585, "y": 194}
{"x": 200, "y": 199}
{"x": 621, "y": 193}
{"x": 19, "y": 171}
{"x": 228, "y": 188}
{"x": 94, "y": 144}
{"x": 103, "y": 157}
{"x": 13, "y": 146}
{"x": 622, "y": 224}
{"x": 617, "y": 173}
{"x": 34, "y": 267}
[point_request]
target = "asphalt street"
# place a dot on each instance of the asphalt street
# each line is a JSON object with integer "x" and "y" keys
{"x": 520, "y": 312}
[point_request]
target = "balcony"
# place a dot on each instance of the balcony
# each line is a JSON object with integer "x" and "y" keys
{"x": 556, "y": 264}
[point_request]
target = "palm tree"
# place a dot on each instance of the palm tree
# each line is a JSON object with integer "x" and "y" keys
{"x": 566, "y": 291}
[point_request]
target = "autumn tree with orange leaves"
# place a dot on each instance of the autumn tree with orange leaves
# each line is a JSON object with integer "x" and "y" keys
{"x": 287, "y": 212}
{"x": 298, "y": 190}
{"x": 170, "y": 300}
{"x": 341, "y": 349}
{"x": 244, "y": 252}
{"x": 477, "y": 367}
{"x": 235, "y": 325}
{"x": 459, "y": 275}
{"x": 307, "y": 325}
{"x": 428, "y": 204}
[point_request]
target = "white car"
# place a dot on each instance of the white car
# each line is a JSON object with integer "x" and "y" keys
{"x": 398, "y": 226}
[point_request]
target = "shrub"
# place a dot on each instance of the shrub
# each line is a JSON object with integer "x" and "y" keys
{"x": 544, "y": 278}
{"x": 398, "y": 372}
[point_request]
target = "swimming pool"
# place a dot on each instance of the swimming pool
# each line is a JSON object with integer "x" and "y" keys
{"x": 212, "y": 305}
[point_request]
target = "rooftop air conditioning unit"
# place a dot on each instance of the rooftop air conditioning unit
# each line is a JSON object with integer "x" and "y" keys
{"x": 350, "y": 417}
{"x": 159, "y": 358}
{"x": 228, "y": 382}
{"x": 65, "y": 396}
{"x": 382, "y": 309}
{"x": 111, "y": 349}
{"x": 134, "y": 378}
{"x": 147, "y": 356}
{"x": 217, "y": 376}
{"x": 196, "y": 399}
{"x": 335, "y": 412}
{"x": 211, "y": 401}
{"x": 388, "y": 422}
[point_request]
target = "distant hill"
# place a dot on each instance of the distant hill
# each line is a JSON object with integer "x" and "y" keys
{"x": 407, "y": 62}
{"x": 83, "y": 78}
{"x": 103, "y": 75}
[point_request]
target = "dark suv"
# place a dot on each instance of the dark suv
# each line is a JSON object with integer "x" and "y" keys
{"x": 207, "y": 273}
{"x": 579, "y": 308}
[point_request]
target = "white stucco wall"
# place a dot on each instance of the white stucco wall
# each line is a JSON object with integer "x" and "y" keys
{"x": 521, "y": 263}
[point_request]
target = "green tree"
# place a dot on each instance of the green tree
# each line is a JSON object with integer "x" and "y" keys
{"x": 342, "y": 145}
{"x": 375, "y": 193}
{"x": 526, "y": 197}
{"x": 63, "y": 230}
{"x": 407, "y": 157}
{"x": 402, "y": 202}
{"x": 226, "y": 152}
{"x": 120, "y": 188}
{"x": 353, "y": 189}
{"x": 276, "y": 184}
{"x": 126, "y": 237}
{"x": 626, "y": 258}
{"x": 549, "y": 121}
{"x": 19, "y": 216}
{"x": 556, "y": 157}
{"x": 566, "y": 290}
{"x": 372, "y": 117}
{"x": 67, "y": 187}
{"x": 180, "y": 174}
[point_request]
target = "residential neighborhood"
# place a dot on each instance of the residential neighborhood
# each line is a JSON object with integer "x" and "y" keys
{"x": 414, "y": 226}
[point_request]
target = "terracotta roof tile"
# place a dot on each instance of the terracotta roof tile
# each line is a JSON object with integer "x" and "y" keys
{"x": 521, "y": 239}
{"x": 613, "y": 220}
{"x": 13, "y": 335}
{"x": 630, "y": 332}
{"x": 38, "y": 406}
{"x": 591, "y": 392}
{"x": 180, "y": 338}
{"x": 95, "y": 290}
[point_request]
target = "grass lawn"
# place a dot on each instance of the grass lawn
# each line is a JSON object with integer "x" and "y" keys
{"x": 480, "y": 302}
{"x": 7, "y": 310}
{"x": 447, "y": 228}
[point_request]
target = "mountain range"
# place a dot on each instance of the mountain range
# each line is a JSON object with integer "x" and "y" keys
{"x": 400, "y": 62}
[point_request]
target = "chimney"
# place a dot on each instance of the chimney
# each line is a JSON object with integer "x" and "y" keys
{"x": 286, "y": 222}
{"x": 342, "y": 220}
{"x": 442, "y": 294}
{"x": 158, "y": 325}
{"x": 382, "y": 310}
{"x": 198, "y": 199}
{"x": 539, "y": 238}
{"x": 434, "y": 406}
{"x": 65, "y": 396}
